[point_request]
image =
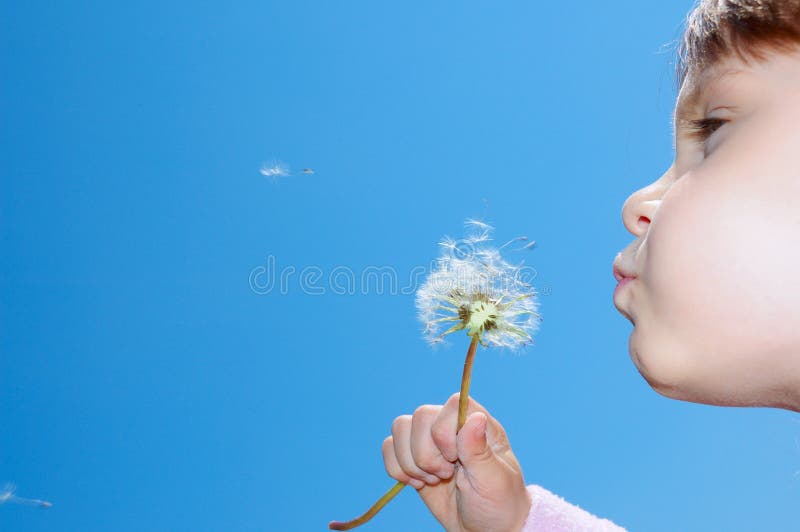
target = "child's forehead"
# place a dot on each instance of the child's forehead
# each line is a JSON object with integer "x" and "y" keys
{"x": 697, "y": 83}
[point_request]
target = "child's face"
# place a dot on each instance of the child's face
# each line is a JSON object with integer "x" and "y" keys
{"x": 716, "y": 305}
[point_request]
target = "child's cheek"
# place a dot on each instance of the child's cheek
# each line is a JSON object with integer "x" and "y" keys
{"x": 683, "y": 266}
{"x": 672, "y": 302}
{"x": 715, "y": 283}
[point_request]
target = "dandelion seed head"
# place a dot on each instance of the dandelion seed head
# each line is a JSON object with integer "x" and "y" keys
{"x": 473, "y": 288}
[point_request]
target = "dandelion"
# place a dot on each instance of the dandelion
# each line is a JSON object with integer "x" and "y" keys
{"x": 472, "y": 289}
{"x": 475, "y": 289}
{"x": 8, "y": 495}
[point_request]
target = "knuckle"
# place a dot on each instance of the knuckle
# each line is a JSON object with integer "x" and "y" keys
{"x": 398, "y": 423}
{"x": 424, "y": 410}
{"x": 428, "y": 463}
{"x": 395, "y": 472}
{"x": 403, "y": 469}
{"x": 409, "y": 466}
{"x": 412, "y": 473}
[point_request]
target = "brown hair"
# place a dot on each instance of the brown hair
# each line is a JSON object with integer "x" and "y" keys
{"x": 716, "y": 29}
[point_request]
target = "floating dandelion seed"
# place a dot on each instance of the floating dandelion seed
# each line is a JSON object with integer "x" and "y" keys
{"x": 8, "y": 495}
{"x": 473, "y": 288}
{"x": 275, "y": 170}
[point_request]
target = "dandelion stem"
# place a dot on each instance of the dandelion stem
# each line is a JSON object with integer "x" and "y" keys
{"x": 463, "y": 401}
{"x": 358, "y": 521}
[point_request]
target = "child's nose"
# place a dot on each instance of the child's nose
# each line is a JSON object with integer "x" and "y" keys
{"x": 639, "y": 209}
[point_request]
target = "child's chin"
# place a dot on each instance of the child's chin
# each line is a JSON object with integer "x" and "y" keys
{"x": 675, "y": 373}
{"x": 645, "y": 367}
{"x": 659, "y": 362}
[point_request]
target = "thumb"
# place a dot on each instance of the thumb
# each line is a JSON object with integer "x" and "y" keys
{"x": 474, "y": 451}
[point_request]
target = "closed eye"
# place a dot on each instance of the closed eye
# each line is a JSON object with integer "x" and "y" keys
{"x": 702, "y": 129}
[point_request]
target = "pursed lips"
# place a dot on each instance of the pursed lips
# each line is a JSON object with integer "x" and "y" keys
{"x": 624, "y": 277}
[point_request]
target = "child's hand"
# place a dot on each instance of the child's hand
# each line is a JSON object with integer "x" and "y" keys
{"x": 470, "y": 481}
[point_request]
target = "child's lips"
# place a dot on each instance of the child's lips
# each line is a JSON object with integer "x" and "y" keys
{"x": 621, "y": 273}
{"x": 624, "y": 276}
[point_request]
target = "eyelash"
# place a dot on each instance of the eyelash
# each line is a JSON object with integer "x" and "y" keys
{"x": 704, "y": 128}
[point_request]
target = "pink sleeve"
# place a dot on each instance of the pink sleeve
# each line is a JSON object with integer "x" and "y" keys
{"x": 551, "y": 513}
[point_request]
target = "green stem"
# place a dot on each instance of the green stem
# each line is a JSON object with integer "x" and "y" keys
{"x": 463, "y": 397}
{"x": 358, "y": 521}
{"x": 463, "y": 401}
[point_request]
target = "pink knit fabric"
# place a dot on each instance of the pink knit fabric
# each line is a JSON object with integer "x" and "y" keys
{"x": 551, "y": 513}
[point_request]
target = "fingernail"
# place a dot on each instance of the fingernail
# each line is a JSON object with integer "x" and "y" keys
{"x": 431, "y": 479}
{"x": 416, "y": 483}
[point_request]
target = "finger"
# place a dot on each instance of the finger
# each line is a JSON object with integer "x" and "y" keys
{"x": 474, "y": 451}
{"x": 393, "y": 467}
{"x": 485, "y": 472}
{"x": 444, "y": 427}
{"x": 443, "y": 430}
{"x": 424, "y": 451}
{"x": 401, "y": 437}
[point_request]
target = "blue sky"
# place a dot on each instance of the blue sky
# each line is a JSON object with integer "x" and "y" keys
{"x": 146, "y": 386}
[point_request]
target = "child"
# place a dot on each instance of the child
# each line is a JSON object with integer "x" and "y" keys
{"x": 710, "y": 283}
